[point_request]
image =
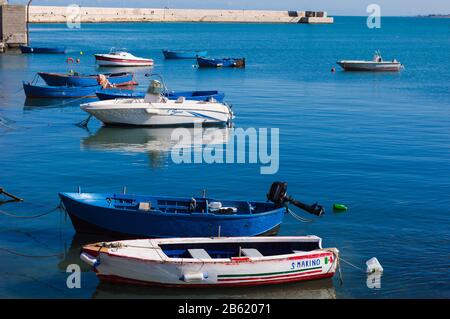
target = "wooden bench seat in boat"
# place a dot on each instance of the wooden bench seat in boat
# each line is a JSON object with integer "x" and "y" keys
{"x": 199, "y": 254}
{"x": 251, "y": 252}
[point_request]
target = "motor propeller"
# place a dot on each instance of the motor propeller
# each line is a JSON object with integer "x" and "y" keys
{"x": 277, "y": 194}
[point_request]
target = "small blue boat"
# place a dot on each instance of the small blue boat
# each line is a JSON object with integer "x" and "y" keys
{"x": 65, "y": 79}
{"x": 184, "y": 54}
{"x": 43, "y": 91}
{"x": 111, "y": 94}
{"x": 28, "y": 49}
{"x": 140, "y": 216}
{"x": 221, "y": 62}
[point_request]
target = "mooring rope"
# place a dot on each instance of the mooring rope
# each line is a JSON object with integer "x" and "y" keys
{"x": 13, "y": 252}
{"x": 299, "y": 218}
{"x": 68, "y": 101}
{"x": 59, "y": 207}
{"x": 85, "y": 122}
{"x": 38, "y": 281}
{"x": 352, "y": 265}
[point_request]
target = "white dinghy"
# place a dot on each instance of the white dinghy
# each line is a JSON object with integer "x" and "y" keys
{"x": 157, "y": 110}
{"x": 377, "y": 64}
{"x": 211, "y": 262}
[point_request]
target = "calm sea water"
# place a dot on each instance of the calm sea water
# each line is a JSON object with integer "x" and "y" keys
{"x": 379, "y": 143}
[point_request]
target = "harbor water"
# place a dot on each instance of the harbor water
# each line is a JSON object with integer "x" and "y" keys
{"x": 377, "y": 142}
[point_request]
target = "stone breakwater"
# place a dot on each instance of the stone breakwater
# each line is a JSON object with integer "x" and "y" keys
{"x": 55, "y": 14}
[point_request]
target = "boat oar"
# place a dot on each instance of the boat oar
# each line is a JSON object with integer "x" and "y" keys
{"x": 277, "y": 194}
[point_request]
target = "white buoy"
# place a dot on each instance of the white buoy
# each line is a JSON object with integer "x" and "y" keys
{"x": 94, "y": 262}
{"x": 373, "y": 265}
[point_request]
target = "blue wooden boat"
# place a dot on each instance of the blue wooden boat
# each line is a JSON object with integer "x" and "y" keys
{"x": 184, "y": 54}
{"x": 65, "y": 79}
{"x": 28, "y": 49}
{"x": 43, "y": 91}
{"x": 110, "y": 94}
{"x": 221, "y": 62}
{"x": 140, "y": 216}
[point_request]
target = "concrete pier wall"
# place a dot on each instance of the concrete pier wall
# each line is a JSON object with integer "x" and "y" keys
{"x": 54, "y": 14}
{"x": 13, "y": 26}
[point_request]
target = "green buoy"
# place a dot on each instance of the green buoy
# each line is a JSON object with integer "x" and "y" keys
{"x": 340, "y": 207}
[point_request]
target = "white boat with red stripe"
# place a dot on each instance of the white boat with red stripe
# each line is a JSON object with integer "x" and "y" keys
{"x": 120, "y": 57}
{"x": 212, "y": 262}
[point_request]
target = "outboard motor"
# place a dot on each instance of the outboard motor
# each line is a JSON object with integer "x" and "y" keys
{"x": 153, "y": 94}
{"x": 277, "y": 194}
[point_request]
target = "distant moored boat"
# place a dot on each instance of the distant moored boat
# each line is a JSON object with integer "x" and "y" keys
{"x": 377, "y": 64}
{"x": 221, "y": 62}
{"x": 66, "y": 79}
{"x": 120, "y": 57}
{"x": 29, "y": 49}
{"x": 43, "y": 91}
{"x": 183, "y": 54}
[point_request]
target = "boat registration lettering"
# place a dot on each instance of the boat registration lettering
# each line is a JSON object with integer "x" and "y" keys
{"x": 174, "y": 111}
{"x": 301, "y": 264}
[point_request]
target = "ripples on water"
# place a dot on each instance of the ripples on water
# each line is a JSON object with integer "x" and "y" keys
{"x": 377, "y": 142}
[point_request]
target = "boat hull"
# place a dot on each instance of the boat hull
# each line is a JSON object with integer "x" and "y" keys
{"x": 122, "y": 112}
{"x": 125, "y": 278}
{"x": 111, "y": 61}
{"x": 370, "y": 66}
{"x": 38, "y": 91}
{"x": 43, "y": 50}
{"x": 183, "y": 54}
{"x": 61, "y": 79}
{"x": 217, "y": 63}
{"x": 93, "y": 219}
{"x": 189, "y": 95}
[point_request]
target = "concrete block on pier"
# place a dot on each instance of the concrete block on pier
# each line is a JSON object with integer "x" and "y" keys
{"x": 316, "y": 17}
{"x": 13, "y": 25}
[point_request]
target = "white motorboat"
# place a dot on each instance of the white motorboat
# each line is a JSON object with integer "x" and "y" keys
{"x": 377, "y": 64}
{"x": 120, "y": 57}
{"x": 157, "y": 110}
{"x": 212, "y": 262}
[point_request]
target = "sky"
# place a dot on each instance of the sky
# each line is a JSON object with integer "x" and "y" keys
{"x": 333, "y": 7}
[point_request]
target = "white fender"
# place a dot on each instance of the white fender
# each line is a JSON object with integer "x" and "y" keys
{"x": 199, "y": 276}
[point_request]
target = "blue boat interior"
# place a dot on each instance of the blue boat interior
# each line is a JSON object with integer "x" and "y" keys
{"x": 188, "y": 206}
{"x": 233, "y": 250}
{"x": 193, "y": 93}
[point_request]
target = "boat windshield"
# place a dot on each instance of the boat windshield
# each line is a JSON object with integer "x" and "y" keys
{"x": 116, "y": 51}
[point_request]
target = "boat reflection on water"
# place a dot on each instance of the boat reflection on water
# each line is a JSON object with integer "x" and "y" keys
{"x": 156, "y": 142}
{"x": 317, "y": 289}
{"x": 72, "y": 252}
